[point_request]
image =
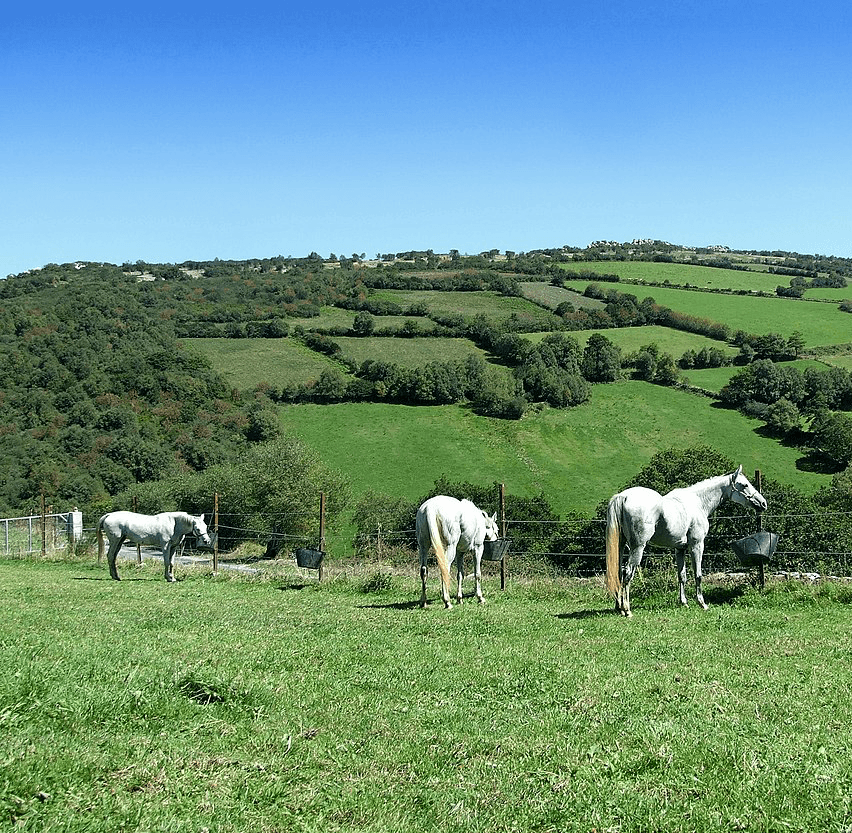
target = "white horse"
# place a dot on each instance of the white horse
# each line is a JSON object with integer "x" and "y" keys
{"x": 165, "y": 530}
{"x": 452, "y": 527}
{"x": 639, "y": 516}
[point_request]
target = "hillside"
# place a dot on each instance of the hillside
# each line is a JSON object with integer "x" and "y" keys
{"x": 401, "y": 371}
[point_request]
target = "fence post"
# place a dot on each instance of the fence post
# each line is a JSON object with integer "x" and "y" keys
{"x": 503, "y": 533}
{"x": 43, "y": 527}
{"x": 322, "y": 530}
{"x": 758, "y": 484}
{"x": 215, "y": 533}
{"x": 138, "y": 546}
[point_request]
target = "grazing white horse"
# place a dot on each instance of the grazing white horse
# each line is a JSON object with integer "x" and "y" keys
{"x": 165, "y": 530}
{"x": 639, "y": 516}
{"x": 452, "y": 527}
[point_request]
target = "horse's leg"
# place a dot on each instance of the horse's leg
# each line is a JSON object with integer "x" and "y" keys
{"x": 424, "y": 571}
{"x": 112, "y": 553}
{"x": 629, "y": 569}
{"x": 697, "y": 553}
{"x": 681, "y": 575}
{"x": 619, "y": 594}
{"x": 167, "y": 562}
{"x": 477, "y": 574}
{"x": 459, "y": 574}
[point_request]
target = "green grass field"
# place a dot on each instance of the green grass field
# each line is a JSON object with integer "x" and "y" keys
{"x": 577, "y": 457}
{"x": 276, "y": 705}
{"x": 820, "y": 324}
{"x": 552, "y": 296}
{"x": 246, "y": 362}
{"x": 407, "y": 352}
{"x": 631, "y": 339}
{"x": 681, "y": 274}
{"x": 469, "y": 304}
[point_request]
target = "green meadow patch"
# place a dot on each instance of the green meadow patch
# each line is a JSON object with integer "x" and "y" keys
{"x": 246, "y": 362}
{"x": 496, "y": 307}
{"x": 407, "y": 352}
{"x": 681, "y": 274}
{"x": 551, "y": 296}
{"x": 632, "y": 339}
{"x": 271, "y": 704}
{"x": 577, "y": 457}
{"x": 820, "y": 324}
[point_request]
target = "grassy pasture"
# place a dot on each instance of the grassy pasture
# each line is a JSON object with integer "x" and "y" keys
{"x": 469, "y": 304}
{"x": 245, "y": 362}
{"x": 407, "y": 352}
{"x": 831, "y": 295}
{"x": 681, "y": 274}
{"x": 335, "y": 318}
{"x": 577, "y": 457}
{"x": 819, "y": 324}
{"x": 270, "y": 705}
{"x": 329, "y": 318}
{"x": 631, "y": 339}
{"x": 552, "y": 296}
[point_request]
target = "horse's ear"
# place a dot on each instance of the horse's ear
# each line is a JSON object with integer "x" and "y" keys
{"x": 739, "y": 471}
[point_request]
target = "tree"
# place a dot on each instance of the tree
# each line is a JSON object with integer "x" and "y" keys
{"x": 601, "y": 359}
{"x": 796, "y": 343}
{"x": 782, "y": 417}
{"x": 832, "y": 435}
{"x": 364, "y": 323}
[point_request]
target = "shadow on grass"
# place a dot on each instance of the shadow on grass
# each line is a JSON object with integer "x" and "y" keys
{"x": 294, "y": 586}
{"x": 392, "y": 606}
{"x": 587, "y": 614}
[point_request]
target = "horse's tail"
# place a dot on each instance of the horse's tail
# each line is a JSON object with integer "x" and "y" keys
{"x": 613, "y": 541}
{"x": 100, "y": 530}
{"x": 438, "y": 546}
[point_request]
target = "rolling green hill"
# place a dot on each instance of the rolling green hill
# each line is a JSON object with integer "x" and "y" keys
{"x": 577, "y": 457}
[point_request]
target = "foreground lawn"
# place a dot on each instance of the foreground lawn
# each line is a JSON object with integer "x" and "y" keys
{"x": 278, "y": 704}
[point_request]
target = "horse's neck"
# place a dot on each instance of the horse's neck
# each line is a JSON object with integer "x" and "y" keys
{"x": 710, "y": 493}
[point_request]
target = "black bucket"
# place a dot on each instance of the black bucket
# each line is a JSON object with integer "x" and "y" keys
{"x": 495, "y": 550}
{"x": 312, "y": 559}
{"x": 756, "y": 549}
{"x": 200, "y": 545}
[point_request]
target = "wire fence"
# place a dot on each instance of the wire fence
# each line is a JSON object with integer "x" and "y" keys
{"x": 574, "y": 545}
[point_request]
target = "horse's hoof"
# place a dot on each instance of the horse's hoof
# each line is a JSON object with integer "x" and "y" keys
{"x": 481, "y": 600}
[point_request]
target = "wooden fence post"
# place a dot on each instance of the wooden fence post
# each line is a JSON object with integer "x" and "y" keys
{"x": 503, "y": 534}
{"x": 215, "y": 533}
{"x": 138, "y": 546}
{"x": 322, "y": 530}
{"x": 758, "y": 484}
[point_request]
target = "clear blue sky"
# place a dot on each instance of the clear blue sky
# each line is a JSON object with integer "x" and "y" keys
{"x": 181, "y": 131}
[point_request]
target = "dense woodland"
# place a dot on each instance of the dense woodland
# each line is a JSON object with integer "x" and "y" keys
{"x": 99, "y": 395}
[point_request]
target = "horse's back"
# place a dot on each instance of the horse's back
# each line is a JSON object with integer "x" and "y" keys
{"x": 138, "y": 527}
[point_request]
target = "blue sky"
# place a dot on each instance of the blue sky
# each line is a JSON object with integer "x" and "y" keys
{"x": 192, "y": 131}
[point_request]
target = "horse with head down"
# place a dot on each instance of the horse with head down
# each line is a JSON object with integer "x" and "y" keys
{"x": 452, "y": 527}
{"x": 165, "y": 531}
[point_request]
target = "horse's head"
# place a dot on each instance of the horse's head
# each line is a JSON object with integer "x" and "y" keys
{"x": 492, "y": 533}
{"x": 744, "y": 493}
{"x": 199, "y": 530}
